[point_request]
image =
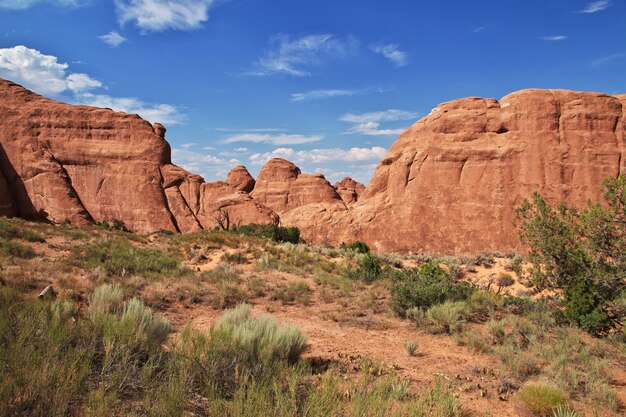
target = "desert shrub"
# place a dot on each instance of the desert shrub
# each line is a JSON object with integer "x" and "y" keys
{"x": 426, "y": 287}
{"x": 474, "y": 340}
{"x": 368, "y": 268}
{"x": 515, "y": 264}
{"x": 276, "y": 233}
{"x": 16, "y": 249}
{"x": 496, "y": 331}
{"x": 257, "y": 286}
{"x": 113, "y": 224}
{"x": 522, "y": 305}
{"x": 482, "y": 304}
{"x": 299, "y": 292}
{"x": 582, "y": 253}
{"x": 12, "y": 231}
{"x": 260, "y": 337}
{"x": 235, "y": 258}
{"x": 505, "y": 280}
{"x": 542, "y": 399}
{"x": 356, "y": 246}
{"x": 447, "y": 317}
{"x": 118, "y": 257}
{"x": 521, "y": 363}
{"x": 411, "y": 347}
{"x": 106, "y": 299}
{"x": 228, "y": 295}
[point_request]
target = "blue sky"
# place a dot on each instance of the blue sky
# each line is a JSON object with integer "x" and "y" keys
{"x": 326, "y": 84}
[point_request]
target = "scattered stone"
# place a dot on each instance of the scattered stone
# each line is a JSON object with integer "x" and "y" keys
{"x": 48, "y": 293}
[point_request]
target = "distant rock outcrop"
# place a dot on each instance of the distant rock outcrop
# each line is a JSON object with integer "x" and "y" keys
{"x": 281, "y": 186}
{"x": 240, "y": 179}
{"x": 449, "y": 184}
{"x": 349, "y": 190}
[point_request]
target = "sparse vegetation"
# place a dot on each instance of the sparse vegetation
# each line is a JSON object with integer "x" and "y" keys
{"x": 541, "y": 399}
{"x": 274, "y": 233}
{"x": 411, "y": 347}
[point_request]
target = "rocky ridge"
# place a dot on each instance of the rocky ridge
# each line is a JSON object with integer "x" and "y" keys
{"x": 449, "y": 184}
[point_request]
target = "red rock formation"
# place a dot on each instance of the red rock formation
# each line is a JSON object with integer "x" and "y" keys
{"x": 282, "y": 187}
{"x": 451, "y": 182}
{"x": 349, "y": 190}
{"x": 240, "y": 179}
{"x": 84, "y": 164}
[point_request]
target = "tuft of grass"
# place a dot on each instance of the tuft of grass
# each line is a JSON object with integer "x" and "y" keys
{"x": 298, "y": 292}
{"x": 411, "y": 347}
{"x": 542, "y": 399}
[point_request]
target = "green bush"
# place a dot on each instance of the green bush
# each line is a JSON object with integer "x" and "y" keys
{"x": 447, "y": 317}
{"x": 368, "y": 268}
{"x": 582, "y": 253}
{"x": 120, "y": 258}
{"x": 357, "y": 246}
{"x": 276, "y": 233}
{"x": 541, "y": 399}
{"x": 426, "y": 287}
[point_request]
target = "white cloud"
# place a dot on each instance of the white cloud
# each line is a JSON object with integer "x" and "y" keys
{"x": 287, "y": 56}
{"x": 204, "y": 164}
{"x": 479, "y": 29}
{"x": 82, "y": 82}
{"x": 607, "y": 59}
{"x": 26, "y": 4}
{"x": 45, "y": 75}
{"x": 554, "y": 38}
{"x": 321, "y": 94}
{"x": 113, "y": 39}
{"x": 161, "y": 113}
{"x": 160, "y": 15}
{"x": 241, "y": 150}
{"x": 278, "y": 140}
{"x": 392, "y": 53}
{"x": 41, "y": 73}
{"x": 370, "y": 123}
{"x": 596, "y": 6}
{"x": 318, "y": 156}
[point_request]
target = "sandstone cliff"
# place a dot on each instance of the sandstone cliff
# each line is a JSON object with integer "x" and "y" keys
{"x": 449, "y": 184}
{"x": 61, "y": 162}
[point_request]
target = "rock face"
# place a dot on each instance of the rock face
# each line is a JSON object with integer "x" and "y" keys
{"x": 282, "y": 187}
{"x": 83, "y": 164}
{"x": 240, "y": 179}
{"x": 449, "y": 184}
{"x": 349, "y": 190}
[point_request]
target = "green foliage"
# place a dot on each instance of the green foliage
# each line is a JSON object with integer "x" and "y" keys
{"x": 426, "y": 287}
{"x": 562, "y": 411}
{"x": 120, "y": 258}
{"x": 16, "y": 249}
{"x": 368, "y": 268}
{"x": 541, "y": 399}
{"x": 356, "y": 246}
{"x": 275, "y": 233}
{"x": 260, "y": 337}
{"x": 10, "y": 230}
{"x": 447, "y": 317}
{"x": 582, "y": 253}
{"x": 113, "y": 224}
{"x": 411, "y": 347}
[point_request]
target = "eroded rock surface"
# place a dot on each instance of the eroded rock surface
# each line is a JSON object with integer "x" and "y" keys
{"x": 449, "y": 184}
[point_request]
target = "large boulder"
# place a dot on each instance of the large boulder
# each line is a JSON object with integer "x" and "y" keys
{"x": 349, "y": 190}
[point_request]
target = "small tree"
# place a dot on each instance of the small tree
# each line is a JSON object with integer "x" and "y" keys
{"x": 580, "y": 253}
